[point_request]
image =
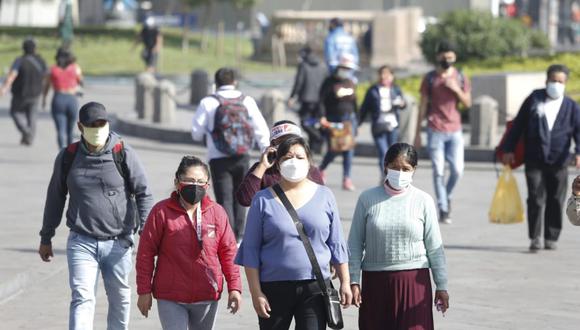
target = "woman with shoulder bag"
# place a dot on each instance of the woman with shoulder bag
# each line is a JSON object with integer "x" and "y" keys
{"x": 276, "y": 261}
{"x": 383, "y": 101}
{"x": 395, "y": 228}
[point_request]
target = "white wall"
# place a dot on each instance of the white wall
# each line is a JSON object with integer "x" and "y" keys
{"x": 29, "y": 13}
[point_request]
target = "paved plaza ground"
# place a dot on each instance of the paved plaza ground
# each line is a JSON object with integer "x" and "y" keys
{"x": 494, "y": 283}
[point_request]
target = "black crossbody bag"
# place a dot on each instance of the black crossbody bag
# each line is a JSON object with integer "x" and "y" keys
{"x": 330, "y": 294}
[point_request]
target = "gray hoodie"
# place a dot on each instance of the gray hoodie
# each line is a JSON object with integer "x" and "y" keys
{"x": 99, "y": 204}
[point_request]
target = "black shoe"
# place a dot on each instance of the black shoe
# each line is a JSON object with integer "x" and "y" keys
{"x": 550, "y": 245}
{"x": 535, "y": 245}
{"x": 444, "y": 218}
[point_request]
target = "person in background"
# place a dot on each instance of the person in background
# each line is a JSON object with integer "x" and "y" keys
{"x": 548, "y": 121}
{"x": 65, "y": 78}
{"x": 184, "y": 272}
{"x": 279, "y": 272}
{"x": 264, "y": 173}
{"x": 338, "y": 43}
{"x": 338, "y": 106}
{"x": 228, "y": 149}
{"x": 395, "y": 240}
{"x": 442, "y": 90}
{"x": 25, "y": 80}
{"x": 152, "y": 40}
{"x": 309, "y": 77}
{"x": 573, "y": 208}
{"x": 383, "y": 101}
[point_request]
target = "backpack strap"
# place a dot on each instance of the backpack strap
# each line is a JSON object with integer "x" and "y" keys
{"x": 68, "y": 157}
{"x": 120, "y": 159}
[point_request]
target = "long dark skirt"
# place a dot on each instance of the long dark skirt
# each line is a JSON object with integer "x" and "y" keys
{"x": 396, "y": 300}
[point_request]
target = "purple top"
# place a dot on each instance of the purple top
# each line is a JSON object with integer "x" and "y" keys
{"x": 272, "y": 245}
{"x": 252, "y": 184}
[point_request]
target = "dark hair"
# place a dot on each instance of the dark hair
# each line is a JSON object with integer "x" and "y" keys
{"x": 445, "y": 46}
{"x": 336, "y": 22}
{"x": 285, "y": 146}
{"x": 401, "y": 149}
{"x": 557, "y": 68}
{"x": 225, "y": 76}
{"x": 383, "y": 68}
{"x": 64, "y": 57}
{"x": 190, "y": 161}
{"x": 29, "y": 46}
{"x": 280, "y": 122}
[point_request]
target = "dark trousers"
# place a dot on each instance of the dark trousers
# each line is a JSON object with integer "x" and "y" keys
{"x": 547, "y": 187}
{"x": 301, "y": 300}
{"x": 309, "y": 119}
{"x": 64, "y": 114}
{"x": 23, "y": 112}
{"x": 227, "y": 174}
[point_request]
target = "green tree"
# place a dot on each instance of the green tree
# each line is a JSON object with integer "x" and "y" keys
{"x": 479, "y": 35}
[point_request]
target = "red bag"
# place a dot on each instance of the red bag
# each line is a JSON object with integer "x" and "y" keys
{"x": 518, "y": 152}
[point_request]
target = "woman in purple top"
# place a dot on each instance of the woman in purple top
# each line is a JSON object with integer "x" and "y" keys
{"x": 280, "y": 276}
{"x": 264, "y": 174}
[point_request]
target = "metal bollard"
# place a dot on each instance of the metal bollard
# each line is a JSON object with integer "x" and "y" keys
{"x": 199, "y": 86}
{"x": 164, "y": 102}
{"x": 483, "y": 120}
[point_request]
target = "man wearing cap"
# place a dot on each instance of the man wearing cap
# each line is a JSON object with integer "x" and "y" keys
{"x": 442, "y": 90}
{"x": 264, "y": 174}
{"x": 338, "y": 43}
{"x": 25, "y": 80}
{"x": 106, "y": 207}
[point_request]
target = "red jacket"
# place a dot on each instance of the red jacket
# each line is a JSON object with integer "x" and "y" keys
{"x": 184, "y": 272}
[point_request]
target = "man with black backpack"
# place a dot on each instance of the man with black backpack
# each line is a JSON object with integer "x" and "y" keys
{"x": 441, "y": 92}
{"x": 231, "y": 123}
{"x": 25, "y": 80}
{"x": 109, "y": 200}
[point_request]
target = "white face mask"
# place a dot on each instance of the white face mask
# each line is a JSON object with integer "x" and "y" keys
{"x": 96, "y": 136}
{"x": 294, "y": 169}
{"x": 555, "y": 90}
{"x": 399, "y": 179}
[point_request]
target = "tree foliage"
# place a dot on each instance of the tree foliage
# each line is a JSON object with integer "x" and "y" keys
{"x": 479, "y": 35}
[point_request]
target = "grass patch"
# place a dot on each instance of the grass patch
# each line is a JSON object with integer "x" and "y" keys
{"x": 102, "y": 51}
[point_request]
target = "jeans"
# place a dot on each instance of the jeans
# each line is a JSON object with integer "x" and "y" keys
{"x": 179, "y": 316}
{"x": 227, "y": 175}
{"x": 347, "y": 156}
{"x": 23, "y": 112}
{"x": 301, "y": 300}
{"x": 64, "y": 113}
{"x": 547, "y": 186}
{"x": 87, "y": 257}
{"x": 383, "y": 141}
{"x": 443, "y": 147}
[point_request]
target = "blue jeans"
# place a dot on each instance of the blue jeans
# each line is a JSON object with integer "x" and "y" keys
{"x": 64, "y": 113}
{"x": 179, "y": 316}
{"x": 445, "y": 147}
{"x": 87, "y": 257}
{"x": 383, "y": 141}
{"x": 347, "y": 156}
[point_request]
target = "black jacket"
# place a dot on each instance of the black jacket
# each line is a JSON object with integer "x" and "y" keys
{"x": 309, "y": 77}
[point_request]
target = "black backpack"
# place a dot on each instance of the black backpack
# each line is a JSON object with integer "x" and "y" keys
{"x": 233, "y": 133}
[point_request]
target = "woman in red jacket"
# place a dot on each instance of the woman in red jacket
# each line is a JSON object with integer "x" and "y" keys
{"x": 195, "y": 247}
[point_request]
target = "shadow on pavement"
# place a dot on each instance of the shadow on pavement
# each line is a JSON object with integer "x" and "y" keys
{"x": 502, "y": 249}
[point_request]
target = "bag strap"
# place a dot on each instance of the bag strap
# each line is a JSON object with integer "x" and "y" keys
{"x": 305, "y": 240}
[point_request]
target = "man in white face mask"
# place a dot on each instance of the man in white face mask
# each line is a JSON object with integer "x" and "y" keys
{"x": 547, "y": 121}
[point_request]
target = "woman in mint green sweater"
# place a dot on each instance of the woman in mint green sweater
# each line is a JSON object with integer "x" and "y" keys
{"x": 395, "y": 227}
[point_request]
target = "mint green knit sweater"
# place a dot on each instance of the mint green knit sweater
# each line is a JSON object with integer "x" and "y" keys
{"x": 391, "y": 233}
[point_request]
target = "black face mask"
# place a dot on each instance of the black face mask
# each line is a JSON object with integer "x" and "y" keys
{"x": 192, "y": 193}
{"x": 445, "y": 64}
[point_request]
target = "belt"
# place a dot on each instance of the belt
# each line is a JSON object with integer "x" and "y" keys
{"x": 107, "y": 238}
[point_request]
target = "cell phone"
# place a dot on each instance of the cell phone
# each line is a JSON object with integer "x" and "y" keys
{"x": 271, "y": 157}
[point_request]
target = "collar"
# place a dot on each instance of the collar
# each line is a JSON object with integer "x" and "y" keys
{"x": 227, "y": 88}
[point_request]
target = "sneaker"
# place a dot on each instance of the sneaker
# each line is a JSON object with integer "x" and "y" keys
{"x": 444, "y": 218}
{"x": 347, "y": 184}
{"x": 535, "y": 245}
{"x": 549, "y": 244}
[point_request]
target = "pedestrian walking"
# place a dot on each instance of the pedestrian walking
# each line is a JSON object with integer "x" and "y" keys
{"x": 25, "y": 82}
{"x": 277, "y": 265}
{"x": 108, "y": 202}
{"x": 309, "y": 77}
{"x": 65, "y": 79}
{"x": 573, "y": 208}
{"x": 383, "y": 101}
{"x": 232, "y": 125}
{"x": 152, "y": 40}
{"x": 338, "y": 43}
{"x": 185, "y": 272}
{"x": 547, "y": 121}
{"x": 266, "y": 172}
{"x": 395, "y": 228}
{"x": 442, "y": 90}
{"x": 338, "y": 110}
